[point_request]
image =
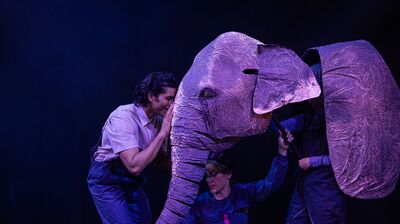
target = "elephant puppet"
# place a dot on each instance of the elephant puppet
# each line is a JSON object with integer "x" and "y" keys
{"x": 217, "y": 103}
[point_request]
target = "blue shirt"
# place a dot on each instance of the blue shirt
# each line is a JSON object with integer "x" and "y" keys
{"x": 207, "y": 209}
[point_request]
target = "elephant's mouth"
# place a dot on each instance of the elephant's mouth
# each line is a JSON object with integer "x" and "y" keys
{"x": 217, "y": 144}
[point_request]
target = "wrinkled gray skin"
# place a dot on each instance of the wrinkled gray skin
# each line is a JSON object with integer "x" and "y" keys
{"x": 217, "y": 103}
{"x": 362, "y": 107}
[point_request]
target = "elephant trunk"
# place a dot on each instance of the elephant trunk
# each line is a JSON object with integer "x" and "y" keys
{"x": 190, "y": 150}
{"x": 188, "y": 167}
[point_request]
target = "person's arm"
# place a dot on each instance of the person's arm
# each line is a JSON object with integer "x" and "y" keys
{"x": 134, "y": 160}
{"x": 314, "y": 161}
{"x": 274, "y": 179}
{"x": 277, "y": 172}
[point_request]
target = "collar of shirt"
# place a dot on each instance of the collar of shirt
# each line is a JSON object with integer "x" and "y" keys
{"x": 143, "y": 116}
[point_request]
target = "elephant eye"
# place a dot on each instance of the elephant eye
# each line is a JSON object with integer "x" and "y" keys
{"x": 207, "y": 93}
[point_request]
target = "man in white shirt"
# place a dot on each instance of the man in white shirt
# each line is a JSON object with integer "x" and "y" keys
{"x": 131, "y": 138}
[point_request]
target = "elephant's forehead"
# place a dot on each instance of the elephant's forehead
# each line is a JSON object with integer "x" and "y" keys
{"x": 225, "y": 66}
{"x": 221, "y": 62}
{"x": 221, "y": 70}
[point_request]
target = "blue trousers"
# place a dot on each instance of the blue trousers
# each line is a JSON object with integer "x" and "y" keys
{"x": 118, "y": 195}
{"x": 317, "y": 199}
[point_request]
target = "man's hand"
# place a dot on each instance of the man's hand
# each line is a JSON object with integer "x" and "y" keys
{"x": 283, "y": 147}
{"x": 304, "y": 163}
{"x": 166, "y": 124}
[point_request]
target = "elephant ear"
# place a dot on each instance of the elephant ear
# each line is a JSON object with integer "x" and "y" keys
{"x": 283, "y": 78}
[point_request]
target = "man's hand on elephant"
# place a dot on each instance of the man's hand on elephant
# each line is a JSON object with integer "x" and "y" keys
{"x": 283, "y": 147}
{"x": 166, "y": 124}
{"x": 304, "y": 163}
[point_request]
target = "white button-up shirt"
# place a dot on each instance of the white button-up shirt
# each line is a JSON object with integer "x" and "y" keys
{"x": 127, "y": 127}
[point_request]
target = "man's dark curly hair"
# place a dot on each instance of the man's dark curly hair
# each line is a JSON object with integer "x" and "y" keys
{"x": 154, "y": 83}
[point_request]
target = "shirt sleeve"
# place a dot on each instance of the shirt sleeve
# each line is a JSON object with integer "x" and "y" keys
{"x": 294, "y": 124}
{"x": 122, "y": 132}
{"x": 319, "y": 161}
{"x": 261, "y": 189}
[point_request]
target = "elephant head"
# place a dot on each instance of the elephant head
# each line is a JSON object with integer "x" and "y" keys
{"x": 217, "y": 103}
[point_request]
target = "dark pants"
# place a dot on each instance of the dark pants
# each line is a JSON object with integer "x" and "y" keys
{"x": 118, "y": 195}
{"x": 317, "y": 199}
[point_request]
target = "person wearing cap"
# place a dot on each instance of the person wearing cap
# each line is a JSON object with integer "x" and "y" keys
{"x": 226, "y": 203}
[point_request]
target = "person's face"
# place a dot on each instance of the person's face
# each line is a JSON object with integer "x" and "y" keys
{"x": 163, "y": 101}
{"x": 216, "y": 181}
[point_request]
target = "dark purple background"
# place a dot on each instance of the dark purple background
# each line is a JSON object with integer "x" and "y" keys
{"x": 66, "y": 64}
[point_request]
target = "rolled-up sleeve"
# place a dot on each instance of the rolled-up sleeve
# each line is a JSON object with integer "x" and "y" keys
{"x": 319, "y": 161}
